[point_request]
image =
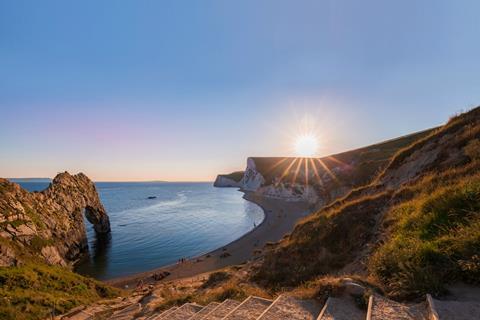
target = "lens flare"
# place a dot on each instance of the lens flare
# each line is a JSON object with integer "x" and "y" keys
{"x": 306, "y": 145}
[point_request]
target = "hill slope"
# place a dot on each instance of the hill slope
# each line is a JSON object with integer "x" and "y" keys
{"x": 316, "y": 180}
{"x": 413, "y": 229}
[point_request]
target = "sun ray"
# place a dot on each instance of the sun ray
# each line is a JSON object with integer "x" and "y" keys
{"x": 297, "y": 169}
{"x": 306, "y": 172}
{"x": 324, "y": 166}
{"x": 285, "y": 172}
{"x": 316, "y": 172}
{"x": 276, "y": 165}
{"x": 336, "y": 160}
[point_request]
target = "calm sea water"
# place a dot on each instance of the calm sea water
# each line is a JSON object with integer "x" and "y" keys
{"x": 185, "y": 220}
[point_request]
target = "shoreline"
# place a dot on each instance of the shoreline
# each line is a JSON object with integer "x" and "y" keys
{"x": 280, "y": 217}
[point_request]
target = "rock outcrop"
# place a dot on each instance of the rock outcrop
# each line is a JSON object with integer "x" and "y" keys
{"x": 49, "y": 224}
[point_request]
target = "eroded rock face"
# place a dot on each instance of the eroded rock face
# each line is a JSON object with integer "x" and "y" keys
{"x": 49, "y": 224}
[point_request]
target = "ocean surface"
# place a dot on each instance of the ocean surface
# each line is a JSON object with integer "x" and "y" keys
{"x": 184, "y": 220}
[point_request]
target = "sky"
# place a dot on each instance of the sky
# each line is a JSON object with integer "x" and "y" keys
{"x": 183, "y": 90}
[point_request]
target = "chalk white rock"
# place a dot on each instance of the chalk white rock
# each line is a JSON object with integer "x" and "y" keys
{"x": 252, "y": 180}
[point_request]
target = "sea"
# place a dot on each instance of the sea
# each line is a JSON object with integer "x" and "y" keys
{"x": 155, "y": 224}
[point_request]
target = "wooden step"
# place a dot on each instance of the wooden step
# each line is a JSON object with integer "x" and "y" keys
{"x": 164, "y": 314}
{"x": 453, "y": 310}
{"x": 341, "y": 309}
{"x": 221, "y": 310}
{"x": 249, "y": 309}
{"x": 126, "y": 313}
{"x": 288, "y": 307}
{"x": 185, "y": 311}
{"x": 206, "y": 310}
{"x": 381, "y": 308}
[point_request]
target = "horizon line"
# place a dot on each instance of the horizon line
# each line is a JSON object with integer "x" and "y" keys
{"x": 132, "y": 181}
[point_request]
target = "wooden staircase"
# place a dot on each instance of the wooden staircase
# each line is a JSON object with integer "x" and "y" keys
{"x": 291, "y": 308}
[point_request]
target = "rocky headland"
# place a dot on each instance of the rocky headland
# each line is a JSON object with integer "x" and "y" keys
{"x": 49, "y": 224}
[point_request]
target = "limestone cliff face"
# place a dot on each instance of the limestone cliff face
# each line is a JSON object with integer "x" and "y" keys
{"x": 253, "y": 179}
{"x": 49, "y": 224}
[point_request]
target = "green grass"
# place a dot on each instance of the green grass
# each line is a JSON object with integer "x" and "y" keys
{"x": 37, "y": 243}
{"x": 235, "y": 176}
{"x": 434, "y": 240}
{"x": 35, "y": 217}
{"x": 35, "y": 290}
{"x": 14, "y": 223}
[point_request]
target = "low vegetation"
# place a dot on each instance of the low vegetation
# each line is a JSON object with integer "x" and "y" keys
{"x": 411, "y": 239}
{"x": 434, "y": 239}
{"x": 36, "y": 291}
{"x": 235, "y": 176}
{"x": 221, "y": 285}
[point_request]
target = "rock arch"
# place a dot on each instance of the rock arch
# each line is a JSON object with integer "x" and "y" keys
{"x": 50, "y": 223}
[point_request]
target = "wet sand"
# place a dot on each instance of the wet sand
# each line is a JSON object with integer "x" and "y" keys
{"x": 280, "y": 219}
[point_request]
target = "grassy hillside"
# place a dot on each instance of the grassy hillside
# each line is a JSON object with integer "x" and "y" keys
{"x": 235, "y": 176}
{"x": 35, "y": 290}
{"x": 414, "y": 229}
{"x": 433, "y": 238}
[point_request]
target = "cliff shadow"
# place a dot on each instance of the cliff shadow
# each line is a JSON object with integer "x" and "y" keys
{"x": 96, "y": 259}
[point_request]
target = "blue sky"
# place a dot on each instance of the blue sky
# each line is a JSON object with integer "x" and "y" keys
{"x": 182, "y": 90}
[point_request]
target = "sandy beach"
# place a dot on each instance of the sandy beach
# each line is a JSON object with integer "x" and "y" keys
{"x": 280, "y": 219}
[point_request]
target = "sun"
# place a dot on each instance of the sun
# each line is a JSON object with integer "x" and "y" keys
{"x": 306, "y": 145}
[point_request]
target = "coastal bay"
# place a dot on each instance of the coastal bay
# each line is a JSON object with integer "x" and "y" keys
{"x": 280, "y": 219}
{"x": 182, "y": 221}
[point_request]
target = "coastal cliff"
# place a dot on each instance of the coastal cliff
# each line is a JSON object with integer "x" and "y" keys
{"x": 318, "y": 181}
{"x": 49, "y": 224}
